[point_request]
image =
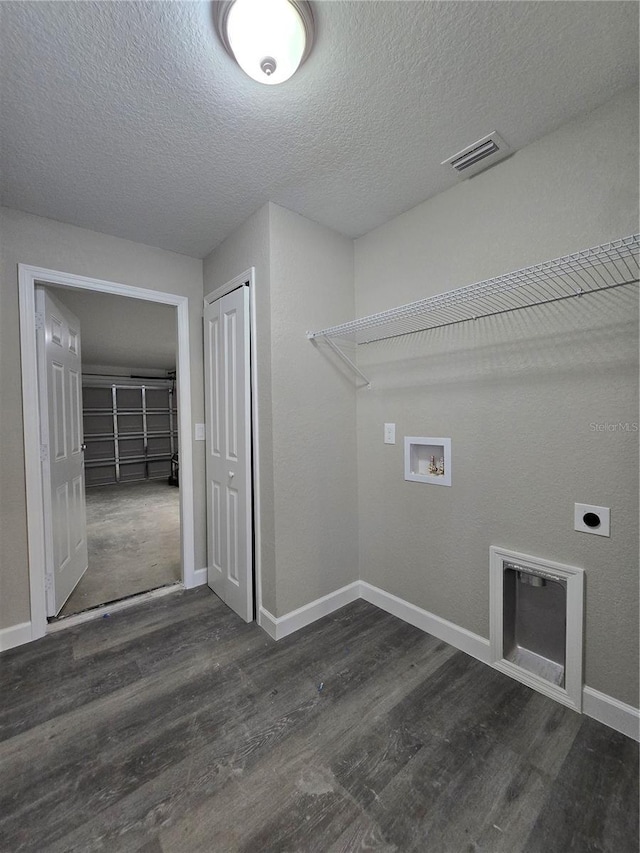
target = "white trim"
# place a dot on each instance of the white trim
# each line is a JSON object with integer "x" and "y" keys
{"x": 459, "y": 638}
{"x": 237, "y": 281}
{"x": 185, "y": 444}
{"x": 248, "y": 277}
{"x": 28, "y": 276}
{"x": 255, "y": 442}
{"x": 281, "y": 626}
{"x": 108, "y": 609}
{"x": 199, "y": 577}
{"x": 571, "y": 694}
{"x": 612, "y": 712}
{"x": 32, "y": 466}
{"x": 268, "y": 623}
{"x": 15, "y": 635}
{"x": 607, "y": 710}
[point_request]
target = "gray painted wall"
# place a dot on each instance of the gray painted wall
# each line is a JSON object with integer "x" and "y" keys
{"x": 54, "y": 245}
{"x": 314, "y": 413}
{"x": 517, "y": 393}
{"x": 304, "y": 273}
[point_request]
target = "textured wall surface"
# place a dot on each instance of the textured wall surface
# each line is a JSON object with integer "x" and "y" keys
{"x": 314, "y": 413}
{"x": 304, "y": 273}
{"x": 518, "y": 394}
{"x": 53, "y": 245}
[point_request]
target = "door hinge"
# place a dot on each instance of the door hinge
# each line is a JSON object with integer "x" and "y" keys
{"x": 39, "y": 321}
{"x": 44, "y": 452}
{"x": 48, "y": 583}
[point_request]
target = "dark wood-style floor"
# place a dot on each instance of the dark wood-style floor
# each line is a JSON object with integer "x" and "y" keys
{"x": 174, "y": 727}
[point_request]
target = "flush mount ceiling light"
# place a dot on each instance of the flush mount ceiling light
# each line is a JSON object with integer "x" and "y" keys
{"x": 269, "y": 39}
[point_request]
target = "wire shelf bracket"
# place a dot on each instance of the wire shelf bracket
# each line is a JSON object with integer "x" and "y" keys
{"x": 600, "y": 268}
{"x": 334, "y": 346}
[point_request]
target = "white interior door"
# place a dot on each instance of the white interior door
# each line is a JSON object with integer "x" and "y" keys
{"x": 228, "y": 449}
{"x": 62, "y": 453}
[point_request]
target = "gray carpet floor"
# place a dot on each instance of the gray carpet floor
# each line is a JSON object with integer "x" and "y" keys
{"x": 133, "y": 535}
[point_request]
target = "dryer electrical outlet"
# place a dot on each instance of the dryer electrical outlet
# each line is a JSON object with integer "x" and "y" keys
{"x": 592, "y": 519}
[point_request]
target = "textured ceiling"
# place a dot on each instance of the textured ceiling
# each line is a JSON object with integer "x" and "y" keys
{"x": 130, "y": 118}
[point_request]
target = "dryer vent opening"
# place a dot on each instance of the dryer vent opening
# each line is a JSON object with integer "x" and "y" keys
{"x": 534, "y": 622}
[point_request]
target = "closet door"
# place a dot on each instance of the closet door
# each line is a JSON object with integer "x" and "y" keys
{"x": 228, "y": 451}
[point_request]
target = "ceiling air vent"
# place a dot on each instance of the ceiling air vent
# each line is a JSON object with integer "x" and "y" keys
{"x": 482, "y": 154}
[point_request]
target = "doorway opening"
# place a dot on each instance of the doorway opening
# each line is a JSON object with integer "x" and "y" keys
{"x": 155, "y": 404}
{"x": 127, "y": 357}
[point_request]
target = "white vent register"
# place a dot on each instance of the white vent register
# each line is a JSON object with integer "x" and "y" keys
{"x": 479, "y": 155}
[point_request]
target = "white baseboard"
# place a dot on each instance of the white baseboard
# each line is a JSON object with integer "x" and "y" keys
{"x": 268, "y": 623}
{"x": 15, "y": 635}
{"x": 281, "y": 626}
{"x": 613, "y": 713}
{"x": 460, "y": 638}
{"x": 607, "y": 710}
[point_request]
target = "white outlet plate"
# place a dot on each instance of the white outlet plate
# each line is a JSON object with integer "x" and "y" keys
{"x": 389, "y": 433}
{"x": 602, "y": 512}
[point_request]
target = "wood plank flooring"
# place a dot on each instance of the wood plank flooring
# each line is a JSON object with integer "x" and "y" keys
{"x": 173, "y": 727}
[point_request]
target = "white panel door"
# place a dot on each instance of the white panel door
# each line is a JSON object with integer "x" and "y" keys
{"x": 228, "y": 449}
{"x": 60, "y": 391}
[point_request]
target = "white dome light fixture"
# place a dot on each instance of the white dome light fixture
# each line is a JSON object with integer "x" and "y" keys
{"x": 269, "y": 39}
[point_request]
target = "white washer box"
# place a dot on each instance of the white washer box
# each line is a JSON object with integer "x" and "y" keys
{"x": 422, "y": 454}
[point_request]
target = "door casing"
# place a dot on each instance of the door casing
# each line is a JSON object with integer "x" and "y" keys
{"x": 28, "y": 277}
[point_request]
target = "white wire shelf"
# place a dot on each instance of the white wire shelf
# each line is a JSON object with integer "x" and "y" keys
{"x": 599, "y": 268}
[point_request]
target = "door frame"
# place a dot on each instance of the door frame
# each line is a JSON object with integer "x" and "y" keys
{"x": 248, "y": 278}
{"x": 28, "y": 277}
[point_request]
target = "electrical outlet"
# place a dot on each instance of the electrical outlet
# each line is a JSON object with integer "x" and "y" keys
{"x": 592, "y": 519}
{"x": 389, "y": 433}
